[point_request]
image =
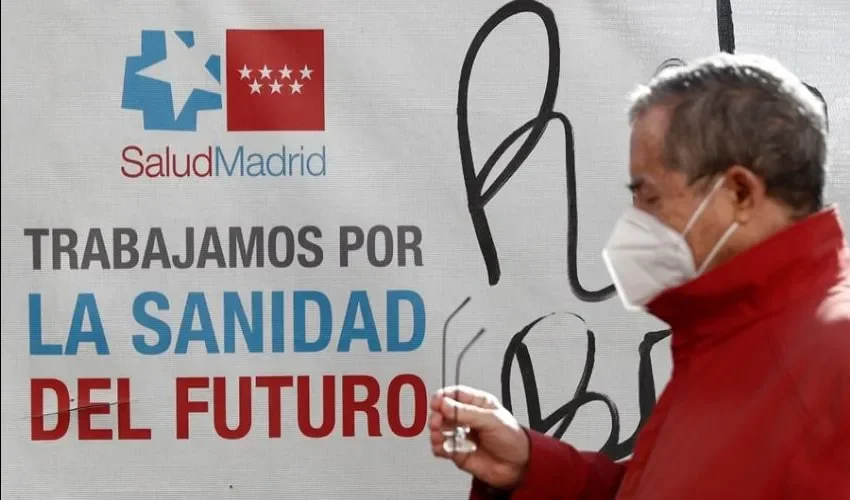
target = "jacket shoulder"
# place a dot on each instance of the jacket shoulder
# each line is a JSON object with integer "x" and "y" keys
{"x": 815, "y": 354}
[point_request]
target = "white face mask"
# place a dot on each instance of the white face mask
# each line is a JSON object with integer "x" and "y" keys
{"x": 645, "y": 257}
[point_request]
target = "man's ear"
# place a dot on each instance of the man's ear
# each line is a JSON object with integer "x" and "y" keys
{"x": 748, "y": 192}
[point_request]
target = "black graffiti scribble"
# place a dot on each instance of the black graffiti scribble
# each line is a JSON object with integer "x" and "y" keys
{"x": 725, "y": 26}
{"x": 518, "y": 351}
{"x": 726, "y": 39}
{"x": 478, "y": 199}
{"x": 476, "y": 196}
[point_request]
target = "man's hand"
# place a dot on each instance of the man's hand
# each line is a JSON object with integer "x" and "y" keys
{"x": 502, "y": 453}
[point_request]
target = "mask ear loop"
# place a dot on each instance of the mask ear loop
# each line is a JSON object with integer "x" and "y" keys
{"x": 723, "y": 239}
{"x": 702, "y": 206}
{"x": 714, "y": 251}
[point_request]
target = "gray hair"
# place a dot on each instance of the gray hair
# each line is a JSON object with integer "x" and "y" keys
{"x": 730, "y": 110}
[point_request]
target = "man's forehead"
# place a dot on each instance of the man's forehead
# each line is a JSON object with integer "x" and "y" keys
{"x": 650, "y": 126}
{"x": 646, "y": 162}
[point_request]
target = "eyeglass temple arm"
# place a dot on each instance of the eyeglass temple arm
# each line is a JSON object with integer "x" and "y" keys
{"x": 445, "y": 335}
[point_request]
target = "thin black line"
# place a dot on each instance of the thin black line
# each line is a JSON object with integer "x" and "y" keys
{"x": 445, "y": 336}
{"x": 457, "y": 375}
{"x": 79, "y": 408}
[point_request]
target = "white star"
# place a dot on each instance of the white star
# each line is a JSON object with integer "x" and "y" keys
{"x": 296, "y": 87}
{"x": 245, "y": 73}
{"x": 275, "y": 87}
{"x": 285, "y": 72}
{"x": 265, "y": 72}
{"x": 255, "y": 87}
{"x": 184, "y": 69}
{"x": 305, "y": 73}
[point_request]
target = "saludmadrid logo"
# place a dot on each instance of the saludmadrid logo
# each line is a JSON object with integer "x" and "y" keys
{"x": 274, "y": 81}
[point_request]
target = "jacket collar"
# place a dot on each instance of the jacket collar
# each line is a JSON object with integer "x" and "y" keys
{"x": 805, "y": 257}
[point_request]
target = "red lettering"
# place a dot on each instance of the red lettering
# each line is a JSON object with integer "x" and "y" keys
{"x": 184, "y": 406}
{"x": 156, "y": 165}
{"x": 203, "y": 156}
{"x": 350, "y": 405}
{"x": 88, "y": 408}
{"x": 360, "y": 394}
{"x": 165, "y": 164}
{"x": 420, "y": 405}
{"x": 85, "y": 410}
{"x": 275, "y": 384}
{"x": 220, "y": 408}
{"x": 38, "y": 432}
{"x": 125, "y": 427}
{"x": 141, "y": 166}
{"x": 328, "y": 407}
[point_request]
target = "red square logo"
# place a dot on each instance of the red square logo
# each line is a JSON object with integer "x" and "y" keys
{"x": 275, "y": 80}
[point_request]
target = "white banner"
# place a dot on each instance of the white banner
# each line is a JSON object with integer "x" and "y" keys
{"x": 233, "y": 231}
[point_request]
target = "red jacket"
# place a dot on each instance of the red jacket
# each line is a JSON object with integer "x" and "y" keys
{"x": 758, "y": 405}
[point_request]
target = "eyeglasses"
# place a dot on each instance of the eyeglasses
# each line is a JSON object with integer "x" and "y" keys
{"x": 457, "y": 440}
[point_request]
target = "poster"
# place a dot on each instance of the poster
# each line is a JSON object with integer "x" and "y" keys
{"x": 233, "y": 231}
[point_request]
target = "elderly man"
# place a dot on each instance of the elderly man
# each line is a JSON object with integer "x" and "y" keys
{"x": 728, "y": 242}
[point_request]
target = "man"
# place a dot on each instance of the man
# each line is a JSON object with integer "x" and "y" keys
{"x": 727, "y": 242}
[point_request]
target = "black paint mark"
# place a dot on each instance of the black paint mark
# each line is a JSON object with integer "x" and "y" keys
{"x": 673, "y": 62}
{"x": 517, "y": 351}
{"x": 725, "y": 26}
{"x": 477, "y": 197}
{"x": 79, "y": 408}
{"x": 726, "y": 39}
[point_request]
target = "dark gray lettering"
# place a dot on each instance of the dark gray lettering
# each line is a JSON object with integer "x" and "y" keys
{"x": 36, "y": 245}
{"x": 67, "y": 248}
{"x": 95, "y": 250}
{"x": 190, "y": 251}
{"x": 211, "y": 249}
{"x": 345, "y": 243}
{"x": 156, "y": 250}
{"x": 289, "y": 243}
{"x": 119, "y": 248}
{"x": 238, "y": 249}
{"x": 371, "y": 246}
{"x": 310, "y": 246}
{"x": 405, "y": 246}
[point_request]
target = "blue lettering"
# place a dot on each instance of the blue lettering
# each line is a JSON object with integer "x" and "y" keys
{"x": 252, "y": 332}
{"x": 359, "y": 301}
{"x": 37, "y": 345}
{"x": 256, "y": 165}
{"x": 155, "y": 334}
{"x": 273, "y": 159}
{"x": 317, "y": 170}
{"x": 277, "y": 321}
{"x": 221, "y": 160}
{"x": 300, "y": 299}
{"x": 196, "y": 304}
{"x": 86, "y": 306}
{"x": 394, "y": 297}
{"x": 244, "y": 163}
{"x": 156, "y": 325}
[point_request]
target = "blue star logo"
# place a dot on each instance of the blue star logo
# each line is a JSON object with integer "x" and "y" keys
{"x": 171, "y": 81}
